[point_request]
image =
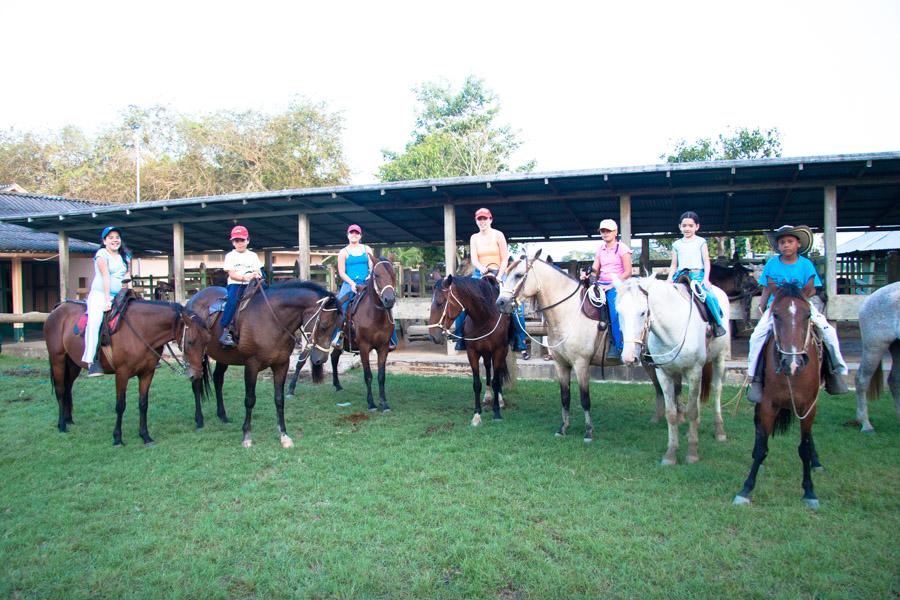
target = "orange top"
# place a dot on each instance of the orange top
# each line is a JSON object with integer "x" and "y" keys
{"x": 489, "y": 252}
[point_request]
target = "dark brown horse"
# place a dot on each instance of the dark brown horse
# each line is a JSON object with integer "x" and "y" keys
{"x": 135, "y": 350}
{"x": 266, "y": 339}
{"x": 791, "y": 386}
{"x": 368, "y": 325}
{"x": 737, "y": 282}
{"x": 486, "y": 332}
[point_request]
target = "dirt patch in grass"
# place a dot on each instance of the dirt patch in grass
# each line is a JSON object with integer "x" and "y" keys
{"x": 438, "y": 428}
{"x": 26, "y": 371}
{"x": 509, "y": 592}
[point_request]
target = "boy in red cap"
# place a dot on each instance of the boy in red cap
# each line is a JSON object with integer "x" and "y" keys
{"x": 243, "y": 267}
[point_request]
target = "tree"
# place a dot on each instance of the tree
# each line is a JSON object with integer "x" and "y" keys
{"x": 181, "y": 156}
{"x": 740, "y": 143}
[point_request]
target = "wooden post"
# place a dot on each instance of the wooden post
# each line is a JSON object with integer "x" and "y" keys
{"x": 645, "y": 257}
{"x": 63, "y": 266}
{"x": 178, "y": 262}
{"x": 204, "y": 281}
{"x": 830, "y": 226}
{"x": 625, "y": 219}
{"x": 268, "y": 261}
{"x": 423, "y": 289}
{"x": 331, "y": 276}
{"x": 398, "y": 269}
{"x": 450, "y": 238}
{"x": 18, "y": 298}
{"x": 303, "y": 244}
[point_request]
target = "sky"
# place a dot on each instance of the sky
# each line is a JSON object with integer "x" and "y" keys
{"x": 586, "y": 84}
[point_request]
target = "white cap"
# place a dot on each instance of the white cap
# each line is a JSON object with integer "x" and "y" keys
{"x": 608, "y": 224}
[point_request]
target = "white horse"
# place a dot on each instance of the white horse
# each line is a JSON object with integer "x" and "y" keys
{"x": 879, "y": 327}
{"x": 573, "y": 337}
{"x": 663, "y": 319}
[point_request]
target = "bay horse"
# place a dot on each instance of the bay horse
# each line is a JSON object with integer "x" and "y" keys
{"x": 574, "y": 338}
{"x": 879, "y": 328}
{"x": 790, "y": 387}
{"x": 135, "y": 350}
{"x": 266, "y": 339}
{"x": 662, "y": 319}
{"x": 367, "y": 326}
{"x": 486, "y": 332}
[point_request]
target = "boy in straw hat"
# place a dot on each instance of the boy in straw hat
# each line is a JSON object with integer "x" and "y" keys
{"x": 790, "y": 267}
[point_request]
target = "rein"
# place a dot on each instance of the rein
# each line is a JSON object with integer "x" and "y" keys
{"x": 157, "y": 354}
{"x": 642, "y": 341}
{"x": 304, "y": 341}
{"x": 780, "y": 350}
{"x": 447, "y": 332}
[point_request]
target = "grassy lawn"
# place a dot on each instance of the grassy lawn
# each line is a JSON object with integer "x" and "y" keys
{"x": 416, "y": 503}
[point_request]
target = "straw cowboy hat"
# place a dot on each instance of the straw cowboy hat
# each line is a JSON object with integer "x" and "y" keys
{"x": 803, "y": 233}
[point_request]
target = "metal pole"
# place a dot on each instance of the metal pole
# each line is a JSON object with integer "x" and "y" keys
{"x": 137, "y": 147}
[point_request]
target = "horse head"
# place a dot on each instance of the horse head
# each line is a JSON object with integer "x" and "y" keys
{"x": 383, "y": 280}
{"x": 445, "y": 307}
{"x": 634, "y": 309}
{"x": 193, "y": 340}
{"x": 792, "y": 327}
{"x": 516, "y": 283}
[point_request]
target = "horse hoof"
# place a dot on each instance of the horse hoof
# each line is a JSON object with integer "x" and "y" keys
{"x": 118, "y": 444}
{"x": 818, "y": 469}
{"x": 812, "y": 503}
{"x": 502, "y": 403}
{"x": 668, "y": 462}
{"x": 338, "y": 388}
{"x": 870, "y": 431}
{"x": 588, "y": 440}
{"x": 721, "y": 437}
{"x": 373, "y": 409}
{"x": 286, "y": 442}
{"x": 386, "y": 409}
{"x": 476, "y": 420}
{"x": 247, "y": 443}
{"x": 559, "y": 434}
{"x": 149, "y": 443}
{"x": 692, "y": 458}
{"x": 741, "y": 501}
{"x": 289, "y": 397}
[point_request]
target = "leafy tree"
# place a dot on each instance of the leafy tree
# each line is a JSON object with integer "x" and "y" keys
{"x": 740, "y": 143}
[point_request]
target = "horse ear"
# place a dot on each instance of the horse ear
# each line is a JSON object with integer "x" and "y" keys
{"x": 447, "y": 282}
{"x": 810, "y": 288}
{"x": 537, "y": 254}
{"x": 617, "y": 283}
{"x": 645, "y": 271}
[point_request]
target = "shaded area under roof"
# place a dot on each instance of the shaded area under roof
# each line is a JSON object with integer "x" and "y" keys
{"x": 731, "y": 197}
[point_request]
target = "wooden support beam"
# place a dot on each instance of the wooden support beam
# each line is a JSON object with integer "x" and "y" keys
{"x": 645, "y": 256}
{"x": 268, "y": 265}
{"x": 18, "y": 298}
{"x": 63, "y": 266}
{"x": 830, "y": 222}
{"x": 303, "y": 253}
{"x": 449, "y": 239}
{"x": 625, "y": 219}
{"x": 178, "y": 262}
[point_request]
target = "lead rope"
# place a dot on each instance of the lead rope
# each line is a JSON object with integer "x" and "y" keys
{"x": 155, "y": 353}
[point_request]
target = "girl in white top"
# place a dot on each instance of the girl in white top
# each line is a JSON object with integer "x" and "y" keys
{"x": 111, "y": 266}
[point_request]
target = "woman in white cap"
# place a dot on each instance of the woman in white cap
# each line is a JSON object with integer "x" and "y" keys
{"x": 613, "y": 258}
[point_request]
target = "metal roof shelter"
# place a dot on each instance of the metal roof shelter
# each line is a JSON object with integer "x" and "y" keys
{"x": 846, "y": 192}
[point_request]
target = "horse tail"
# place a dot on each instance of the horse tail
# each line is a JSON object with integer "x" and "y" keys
{"x": 783, "y": 421}
{"x": 706, "y": 382}
{"x": 876, "y": 384}
{"x": 318, "y": 373}
{"x": 204, "y": 379}
{"x": 503, "y": 372}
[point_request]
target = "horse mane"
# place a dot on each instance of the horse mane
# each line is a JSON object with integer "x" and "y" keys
{"x": 299, "y": 284}
{"x": 479, "y": 289}
{"x": 789, "y": 290}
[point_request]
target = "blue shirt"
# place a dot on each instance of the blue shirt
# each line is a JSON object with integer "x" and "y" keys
{"x": 357, "y": 266}
{"x": 780, "y": 273}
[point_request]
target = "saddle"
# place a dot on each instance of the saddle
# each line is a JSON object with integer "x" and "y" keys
{"x": 594, "y": 306}
{"x": 218, "y": 305}
{"x": 700, "y": 303}
{"x": 111, "y": 318}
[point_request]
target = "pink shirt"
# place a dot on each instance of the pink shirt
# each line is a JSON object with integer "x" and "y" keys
{"x": 611, "y": 261}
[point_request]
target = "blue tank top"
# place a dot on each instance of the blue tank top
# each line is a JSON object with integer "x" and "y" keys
{"x": 357, "y": 267}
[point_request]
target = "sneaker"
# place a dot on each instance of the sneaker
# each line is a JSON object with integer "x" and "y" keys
{"x": 718, "y": 330}
{"x": 615, "y": 353}
{"x": 754, "y": 394}
{"x": 95, "y": 370}
{"x": 835, "y": 384}
{"x": 392, "y": 347}
{"x": 525, "y": 355}
{"x": 226, "y": 340}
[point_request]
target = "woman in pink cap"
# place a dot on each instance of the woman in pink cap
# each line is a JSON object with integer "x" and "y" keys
{"x": 354, "y": 267}
{"x": 613, "y": 258}
{"x": 490, "y": 254}
{"x": 242, "y": 267}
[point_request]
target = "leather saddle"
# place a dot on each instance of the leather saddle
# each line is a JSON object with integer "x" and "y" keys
{"x": 701, "y": 306}
{"x": 218, "y": 305}
{"x": 111, "y": 318}
{"x": 592, "y": 306}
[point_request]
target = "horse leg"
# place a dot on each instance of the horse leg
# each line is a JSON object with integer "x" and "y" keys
{"x": 301, "y": 361}
{"x": 693, "y": 416}
{"x": 72, "y": 371}
{"x": 476, "y": 383}
{"x": 868, "y": 364}
{"x": 59, "y": 374}
{"x": 143, "y": 403}
{"x": 218, "y": 382}
{"x": 814, "y": 456}
{"x": 279, "y": 376}
{"x": 668, "y": 387}
{"x": 805, "y": 452}
{"x": 564, "y": 374}
{"x": 583, "y": 374}
{"x": 489, "y": 388}
{"x": 250, "y": 373}
{"x": 121, "y": 387}
{"x": 197, "y": 388}
{"x": 382, "y": 372}
{"x": 496, "y": 381}
{"x": 718, "y": 374}
{"x": 660, "y": 398}
{"x": 764, "y": 418}
{"x": 335, "y": 357}
{"x": 364, "y": 351}
{"x": 894, "y": 377}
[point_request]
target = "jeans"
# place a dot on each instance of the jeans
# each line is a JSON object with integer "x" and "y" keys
{"x": 711, "y": 301}
{"x": 345, "y": 289}
{"x": 614, "y": 327}
{"x": 235, "y": 291}
{"x": 518, "y": 319}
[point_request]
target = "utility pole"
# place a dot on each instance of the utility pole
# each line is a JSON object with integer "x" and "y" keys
{"x": 137, "y": 150}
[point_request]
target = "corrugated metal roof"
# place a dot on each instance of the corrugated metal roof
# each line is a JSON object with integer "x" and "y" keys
{"x": 872, "y": 242}
{"x": 15, "y": 238}
{"x": 24, "y": 204}
{"x": 730, "y": 196}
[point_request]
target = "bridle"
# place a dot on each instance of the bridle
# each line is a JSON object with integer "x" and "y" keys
{"x": 651, "y": 359}
{"x": 306, "y": 340}
{"x": 445, "y": 328}
{"x": 380, "y": 292}
{"x": 788, "y": 377}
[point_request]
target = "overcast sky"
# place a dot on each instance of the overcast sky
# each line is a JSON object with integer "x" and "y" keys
{"x": 588, "y": 85}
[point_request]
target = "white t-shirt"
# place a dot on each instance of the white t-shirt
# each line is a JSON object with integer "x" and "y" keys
{"x": 690, "y": 252}
{"x": 242, "y": 262}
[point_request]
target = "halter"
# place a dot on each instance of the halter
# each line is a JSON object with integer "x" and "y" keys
{"x": 445, "y": 328}
{"x": 174, "y": 336}
{"x": 780, "y": 350}
{"x": 375, "y": 282}
{"x": 650, "y": 359}
{"x": 529, "y": 265}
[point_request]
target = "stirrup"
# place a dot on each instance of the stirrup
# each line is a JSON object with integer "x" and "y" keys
{"x": 697, "y": 290}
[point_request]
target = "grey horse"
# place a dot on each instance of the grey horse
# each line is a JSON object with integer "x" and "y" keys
{"x": 879, "y": 327}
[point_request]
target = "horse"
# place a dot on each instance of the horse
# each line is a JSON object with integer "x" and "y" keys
{"x": 663, "y": 319}
{"x": 367, "y": 326}
{"x": 486, "y": 332}
{"x": 266, "y": 339}
{"x": 737, "y": 282}
{"x": 573, "y": 337}
{"x": 135, "y": 350}
{"x": 791, "y": 386}
{"x": 879, "y": 327}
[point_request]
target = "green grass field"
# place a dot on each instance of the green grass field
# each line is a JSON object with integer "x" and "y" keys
{"x": 417, "y": 504}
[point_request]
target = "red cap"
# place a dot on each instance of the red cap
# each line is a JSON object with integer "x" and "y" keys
{"x": 355, "y": 227}
{"x": 239, "y": 232}
{"x": 483, "y": 212}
